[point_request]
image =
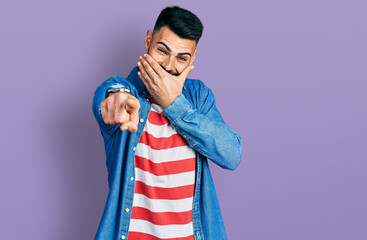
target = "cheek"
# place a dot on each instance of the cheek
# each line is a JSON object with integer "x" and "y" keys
{"x": 158, "y": 57}
{"x": 181, "y": 66}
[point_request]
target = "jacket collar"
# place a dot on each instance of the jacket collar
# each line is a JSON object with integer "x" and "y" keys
{"x": 134, "y": 78}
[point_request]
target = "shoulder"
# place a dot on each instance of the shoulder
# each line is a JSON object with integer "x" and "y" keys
{"x": 197, "y": 92}
{"x": 196, "y": 87}
{"x": 195, "y": 84}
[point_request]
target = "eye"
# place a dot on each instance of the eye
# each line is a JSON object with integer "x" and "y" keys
{"x": 162, "y": 51}
{"x": 181, "y": 59}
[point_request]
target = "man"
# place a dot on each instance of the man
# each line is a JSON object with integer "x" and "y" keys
{"x": 159, "y": 127}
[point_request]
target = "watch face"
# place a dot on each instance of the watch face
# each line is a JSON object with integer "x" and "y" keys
{"x": 112, "y": 90}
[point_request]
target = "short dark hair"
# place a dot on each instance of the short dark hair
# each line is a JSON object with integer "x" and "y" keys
{"x": 181, "y": 21}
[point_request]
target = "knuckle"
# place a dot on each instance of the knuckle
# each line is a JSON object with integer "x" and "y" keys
{"x": 130, "y": 101}
{"x": 120, "y": 119}
{"x": 123, "y": 117}
{"x": 120, "y": 97}
{"x": 104, "y": 116}
{"x": 110, "y": 100}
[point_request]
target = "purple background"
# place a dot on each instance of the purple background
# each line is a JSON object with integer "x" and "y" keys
{"x": 288, "y": 76}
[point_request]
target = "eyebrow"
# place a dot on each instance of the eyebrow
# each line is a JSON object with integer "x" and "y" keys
{"x": 186, "y": 53}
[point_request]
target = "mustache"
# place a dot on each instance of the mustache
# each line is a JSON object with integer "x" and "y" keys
{"x": 170, "y": 72}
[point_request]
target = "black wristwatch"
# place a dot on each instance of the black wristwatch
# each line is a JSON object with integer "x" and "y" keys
{"x": 117, "y": 89}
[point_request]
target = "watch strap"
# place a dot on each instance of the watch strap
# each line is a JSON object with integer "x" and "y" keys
{"x": 117, "y": 89}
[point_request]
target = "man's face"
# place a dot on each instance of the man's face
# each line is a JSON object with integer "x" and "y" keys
{"x": 173, "y": 53}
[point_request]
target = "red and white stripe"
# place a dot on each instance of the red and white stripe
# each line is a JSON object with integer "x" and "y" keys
{"x": 165, "y": 182}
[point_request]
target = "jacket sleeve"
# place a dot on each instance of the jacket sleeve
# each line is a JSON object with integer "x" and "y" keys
{"x": 99, "y": 95}
{"x": 205, "y": 129}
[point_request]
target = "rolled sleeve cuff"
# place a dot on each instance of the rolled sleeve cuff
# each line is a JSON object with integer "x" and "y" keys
{"x": 118, "y": 85}
{"x": 177, "y": 109}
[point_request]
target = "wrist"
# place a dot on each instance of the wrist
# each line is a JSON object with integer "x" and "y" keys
{"x": 178, "y": 108}
{"x": 168, "y": 102}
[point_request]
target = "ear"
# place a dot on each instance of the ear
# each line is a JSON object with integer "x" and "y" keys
{"x": 148, "y": 40}
{"x": 193, "y": 56}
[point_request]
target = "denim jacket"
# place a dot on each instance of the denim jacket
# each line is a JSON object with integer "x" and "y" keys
{"x": 194, "y": 115}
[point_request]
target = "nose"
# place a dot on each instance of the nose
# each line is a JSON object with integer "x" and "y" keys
{"x": 168, "y": 64}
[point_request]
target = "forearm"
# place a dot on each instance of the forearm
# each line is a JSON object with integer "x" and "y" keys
{"x": 206, "y": 133}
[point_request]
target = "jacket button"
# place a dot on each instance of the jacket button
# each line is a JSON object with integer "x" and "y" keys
{"x": 134, "y": 148}
{"x": 122, "y": 237}
{"x": 132, "y": 179}
{"x": 127, "y": 210}
{"x": 141, "y": 120}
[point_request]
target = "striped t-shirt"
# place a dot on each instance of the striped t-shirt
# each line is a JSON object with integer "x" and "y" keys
{"x": 165, "y": 182}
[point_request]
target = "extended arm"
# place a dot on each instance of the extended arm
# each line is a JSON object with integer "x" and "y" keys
{"x": 118, "y": 110}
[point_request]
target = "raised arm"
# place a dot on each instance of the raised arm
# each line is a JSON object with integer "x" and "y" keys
{"x": 205, "y": 129}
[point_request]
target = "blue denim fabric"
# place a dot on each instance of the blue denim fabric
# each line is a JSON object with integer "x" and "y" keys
{"x": 194, "y": 115}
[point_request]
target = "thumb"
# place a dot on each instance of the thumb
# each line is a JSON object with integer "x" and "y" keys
{"x": 186, "y": 72}
{"x": 132, "y": 124}
{"x": 129, "y": 126}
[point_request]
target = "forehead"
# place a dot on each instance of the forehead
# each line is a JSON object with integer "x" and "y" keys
{"x": 173, "y": 41}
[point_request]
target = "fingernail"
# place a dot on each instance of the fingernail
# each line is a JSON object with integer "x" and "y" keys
{"x": 140, "y": 57}
{"x": 145, "y": 55}
{"x": 138, "y": 63}
{"x": 124, "y": 128}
